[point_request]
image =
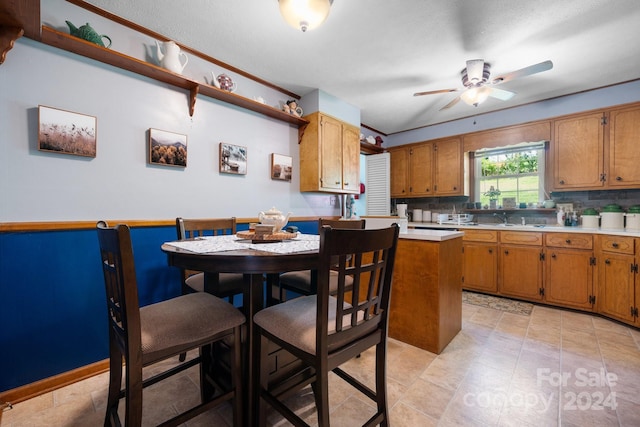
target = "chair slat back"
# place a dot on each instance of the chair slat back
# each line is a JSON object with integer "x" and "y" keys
{"x": 353, "y": 224}
{"x": 368, "y": 256}
{"x": 121, "y": 287}
{"x": 191, "y": 228}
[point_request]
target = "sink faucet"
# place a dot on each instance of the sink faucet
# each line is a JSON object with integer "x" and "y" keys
{"x": 502, "y": 216}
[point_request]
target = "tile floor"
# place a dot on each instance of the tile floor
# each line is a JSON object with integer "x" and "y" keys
{"x": 552, "y": 368}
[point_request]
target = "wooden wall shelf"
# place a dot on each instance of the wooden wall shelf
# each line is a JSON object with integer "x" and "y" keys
{"x": 73, "y": 44}
{"x": 366, "y": 148}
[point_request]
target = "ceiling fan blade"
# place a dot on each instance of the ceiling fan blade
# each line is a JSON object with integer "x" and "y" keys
{"x": 451, "y": 104}
{"x": 433, "y": 92}
{"x": 501, "y": 94}
{"x": 526, "y": 71}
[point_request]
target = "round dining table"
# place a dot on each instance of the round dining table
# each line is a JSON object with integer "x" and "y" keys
{"x": 255, "y": 264}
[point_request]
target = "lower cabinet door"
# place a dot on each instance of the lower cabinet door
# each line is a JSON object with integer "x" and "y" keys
{"x": 569, "y": 278}
{"x": 480, "y": 267}
{"x": 521, "y": 272}
{"x": 616, "y": 286}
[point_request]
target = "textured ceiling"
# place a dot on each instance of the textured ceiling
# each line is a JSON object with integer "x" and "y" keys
{"x": 375, "y": 54}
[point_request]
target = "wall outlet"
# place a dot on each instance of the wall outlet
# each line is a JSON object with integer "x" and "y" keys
{"x": 332, "y": 200}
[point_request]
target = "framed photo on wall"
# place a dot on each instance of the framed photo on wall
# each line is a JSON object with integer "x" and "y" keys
{"x": 281, "y": 167}
{"x": 233, "y": 159}
{"x": 66, "y": 132}
{"x": 167, "y": 148}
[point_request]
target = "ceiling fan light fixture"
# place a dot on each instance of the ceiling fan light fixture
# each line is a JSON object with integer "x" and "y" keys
{"x": 475, "y": 95}
{"x": 476, "y": 74}
{"x": 305, "y": 14}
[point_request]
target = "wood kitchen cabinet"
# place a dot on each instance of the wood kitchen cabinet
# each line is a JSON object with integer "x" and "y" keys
{"x": 624, "y": 151}
{"x": 434, "y": 168}
{"x": 579, "y": 152}
{"x": 618, "y": 295}
{"x": 597, "y": 150}
{"x": 569, "y": 266}
{"x": 448, "y": 173}
{"x": 426, "y": 305}
{"x": 329, "y": 155}
{"x": 411, "y": 170}
{"x": 480, "y": 260}
{"x": 520, "y": 272}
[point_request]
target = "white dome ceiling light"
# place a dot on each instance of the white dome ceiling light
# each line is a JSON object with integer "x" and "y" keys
{"x": 305, "y": 14}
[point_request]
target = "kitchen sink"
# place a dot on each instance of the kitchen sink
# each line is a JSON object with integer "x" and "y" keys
{"x": 511, "y": 225}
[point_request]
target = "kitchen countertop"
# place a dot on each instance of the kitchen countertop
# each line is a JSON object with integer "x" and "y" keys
{"x": 430, "y": 235}
{"x": 512, "y": 227}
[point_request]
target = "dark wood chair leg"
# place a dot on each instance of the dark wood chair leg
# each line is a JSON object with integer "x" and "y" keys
{"x": 263, "y": 344}
{"x": 381, "y": 382}
{"x": 133, "y": 397}
{"x": 236, "y": 376}
{"x": 322, "y": 398}
{"x": 115, "y": 383}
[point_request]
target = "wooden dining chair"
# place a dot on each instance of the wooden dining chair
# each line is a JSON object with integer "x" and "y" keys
{"x": 229, "y": 284}
{"x": 309, "y": 329}
{"x": 304, "y": 282}
{"x": 147, "y": 335}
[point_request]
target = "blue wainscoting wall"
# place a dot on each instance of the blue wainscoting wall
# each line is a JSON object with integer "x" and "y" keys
{"x": 52, "y": 307}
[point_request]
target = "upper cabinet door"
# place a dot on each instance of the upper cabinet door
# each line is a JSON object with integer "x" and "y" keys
{"x": 421, "y": 170}
{"x": 448, "y": 174}
{"x": 624, "y": 148}
{"x": 578, "y": 152}
{"x": 350, "y": 158}
{"x": 331, "y": 153}
{"x": 399, "y": 171}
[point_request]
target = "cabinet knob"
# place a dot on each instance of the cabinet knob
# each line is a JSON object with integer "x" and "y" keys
{"x": 337, "y": 182}
{"x": 607, "y": 261}
{"x": 506, "y": 252}
{"x": 490, "y": 251}
{"x": 455, "y": 188}
{"x": 562, "y": 181}
{"x": 553, "y": 256}
{"x": 618, "y": 178}
{"x": 615, "y": 245}
{"x": 568, "y": 241}
{"x": 346, "y": 183}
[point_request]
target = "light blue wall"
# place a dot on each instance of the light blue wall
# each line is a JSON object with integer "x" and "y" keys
{"x": 599, "y": 98}
{"x": 119, "y": 182}
{"x": 318, "y": 100}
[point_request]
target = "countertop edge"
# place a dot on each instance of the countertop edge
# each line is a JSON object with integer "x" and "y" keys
{"x": 430, "y": 235}
{"x": 546, "y": 228}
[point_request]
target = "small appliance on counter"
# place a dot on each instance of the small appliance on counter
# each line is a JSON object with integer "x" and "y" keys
{"x": 590, "y": 218}
{"x": 612, "y": 217}
{"x": 632, "y": 220}
{"x": 402, "y": 210}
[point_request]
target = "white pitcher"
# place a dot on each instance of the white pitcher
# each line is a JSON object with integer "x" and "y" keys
{"x": 170, "y": 59}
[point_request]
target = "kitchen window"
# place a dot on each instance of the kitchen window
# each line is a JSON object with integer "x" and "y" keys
{"x": 516, "y": 171}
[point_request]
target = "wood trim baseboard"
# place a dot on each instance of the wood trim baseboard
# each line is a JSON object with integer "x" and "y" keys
{"x": 8, "y": 227}
{"x": 46, "y": 385}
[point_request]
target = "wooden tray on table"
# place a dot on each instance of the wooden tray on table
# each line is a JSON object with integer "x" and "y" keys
{"x": 278, "y": 236}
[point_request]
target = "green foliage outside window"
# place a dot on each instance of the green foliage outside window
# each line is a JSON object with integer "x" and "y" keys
{"x": 512, "y": 174}
{"x": 510, "y": 164}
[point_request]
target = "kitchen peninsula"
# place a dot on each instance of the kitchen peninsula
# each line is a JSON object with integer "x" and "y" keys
{"x": 426, "y": 300}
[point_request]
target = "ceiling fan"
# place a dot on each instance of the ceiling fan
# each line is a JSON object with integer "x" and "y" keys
{"x": 478, "y": 87}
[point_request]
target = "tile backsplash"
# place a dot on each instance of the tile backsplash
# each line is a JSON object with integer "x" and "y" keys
{"x": 579, "y": 199}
